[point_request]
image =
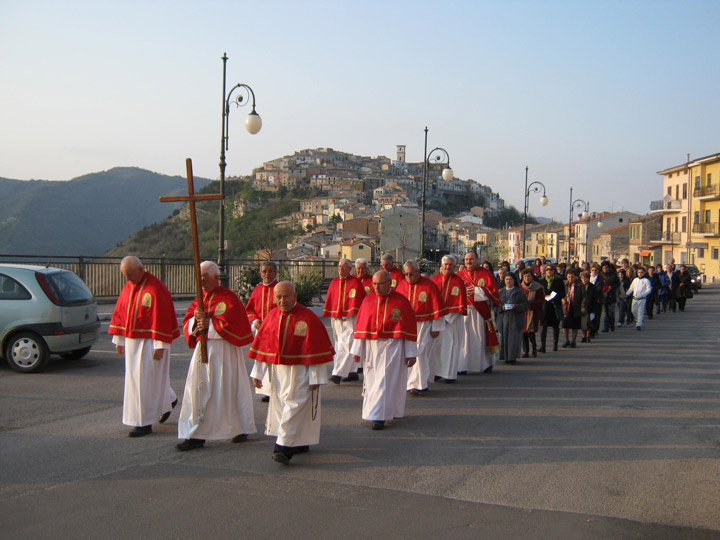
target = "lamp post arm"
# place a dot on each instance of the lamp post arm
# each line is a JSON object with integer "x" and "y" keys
{"x": 238, "y": 103}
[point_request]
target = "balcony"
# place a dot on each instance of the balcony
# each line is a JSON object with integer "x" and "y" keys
{"x": 667, "y": 237}
{"x": 706, "y": 229}
{"x": 706, "y": 193}
{"x": 666, "y": 206}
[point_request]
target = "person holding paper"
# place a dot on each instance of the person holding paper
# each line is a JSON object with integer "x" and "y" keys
{"x": 511, "y": 319}
{"x": 552, "y": 312}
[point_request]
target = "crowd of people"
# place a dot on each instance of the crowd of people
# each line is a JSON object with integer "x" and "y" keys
{"x": 401, "y": 329}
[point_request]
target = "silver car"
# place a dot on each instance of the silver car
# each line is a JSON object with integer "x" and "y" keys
{"x": 43, "y": 311}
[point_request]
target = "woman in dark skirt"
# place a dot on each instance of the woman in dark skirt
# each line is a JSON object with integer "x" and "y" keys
{"x": 574, "y": 304}
{"x": 552, "y": 313}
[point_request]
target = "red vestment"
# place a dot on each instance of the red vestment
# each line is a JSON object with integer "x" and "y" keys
{"x": 227, "y": 315}
{"x": 396, "y": 275}
{"x": 452, "y": 291}
{"x": 483, "y": 278}
{"x": 386, "y": 317}
{"x": 344, "y": 297}
{"x": 261, "y": 301}
{"x": 366, "y": 280}
{"x": 424, "y": 297}
{"x": 145, "y": 311}
{"x": 294, "y": 338}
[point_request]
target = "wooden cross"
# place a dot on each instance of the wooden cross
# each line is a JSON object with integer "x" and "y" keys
{"x": 190, "y": 199}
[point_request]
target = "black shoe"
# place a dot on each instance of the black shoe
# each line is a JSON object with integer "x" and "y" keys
{"x": 573, "y": 345}
{"x": 265, "y": 399}
{"x": 462, "y": 372}
{"x": 300, "y": 449}
{"x": 449, "y": 381}
{"x": 511, "y": 361}
{"x": 414, "y": 392}
{"x": 566, "y": 345}
{"x": 239, "y": 438}
{"x": 638, "y": 328}
{"x": 190, "y": 444}
{"x": 351, "y": 377}
{"x": 140, "y": 431}
{"x": 281, "y": 457}
{"x": 335, "y": 379}
{"x": 437, "y": 378}
{"x": 488, "y": 370}
{"x": 166, "y": 415}
{"x": 555, "y": 347}
{"x": 605, "y": 331}
{"x": 378, "y": 425}
{"x": 583, "y": 340}
{"x": 541, "y": 349}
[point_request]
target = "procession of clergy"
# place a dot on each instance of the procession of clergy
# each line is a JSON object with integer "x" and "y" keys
{"x": 401, "y": 329}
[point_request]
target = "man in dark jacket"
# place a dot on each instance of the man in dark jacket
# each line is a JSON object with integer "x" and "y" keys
{"x": 608, "y": 294}
{"x": 552, "y": 314}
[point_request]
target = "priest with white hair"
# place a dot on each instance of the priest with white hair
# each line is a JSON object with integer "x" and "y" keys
{"x": 217, "y": 404}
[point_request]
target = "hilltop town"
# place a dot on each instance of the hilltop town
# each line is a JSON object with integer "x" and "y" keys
{"x": 325, "y": 204}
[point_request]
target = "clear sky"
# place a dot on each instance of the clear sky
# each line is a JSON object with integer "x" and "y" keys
{"x": 594, "y": 95}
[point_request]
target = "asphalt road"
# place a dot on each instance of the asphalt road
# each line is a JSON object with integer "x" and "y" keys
{"x": 619, "y": 438}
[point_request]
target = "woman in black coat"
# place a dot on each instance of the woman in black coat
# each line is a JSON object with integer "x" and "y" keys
{"x": 552, "y": 314}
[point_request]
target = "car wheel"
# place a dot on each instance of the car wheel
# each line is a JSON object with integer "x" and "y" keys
{"x": 76, "y": 355}
{"x": 26, "y": 352}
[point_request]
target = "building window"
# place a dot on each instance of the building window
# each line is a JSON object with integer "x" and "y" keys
{"x": 677, "y": 192}
{"x": 696, "y": 217}
{"x": 714, "y": 253}
{"x": 700, "y": 253}
{"x": 697, "y": 182}
{"x": 684, "y": 224}
{"x": 684, "y": 191}
{"x": 709, "y": 179}
{"x": 669, "y": 190}
{"x": 707, "y": 216}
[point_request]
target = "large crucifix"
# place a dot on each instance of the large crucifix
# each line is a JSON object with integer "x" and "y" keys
{"x": 190, "y": 199}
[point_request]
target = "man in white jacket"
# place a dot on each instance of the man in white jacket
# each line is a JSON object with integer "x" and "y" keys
{"x": 640, "y": 289}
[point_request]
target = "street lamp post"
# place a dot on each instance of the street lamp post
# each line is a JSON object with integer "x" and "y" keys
{"x": 437, "y": 154}
{"x": 534, "y": 187}
{"x": 577, "y": 203}
{"x": 253, "y": 124}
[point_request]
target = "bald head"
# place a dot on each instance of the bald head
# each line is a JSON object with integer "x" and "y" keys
{"x": 382, "y": 282}
{"x": 285, "y": 296}
{"x": 132, "y": 269}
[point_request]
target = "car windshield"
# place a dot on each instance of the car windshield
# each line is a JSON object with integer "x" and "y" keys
{"x": 69, "y": 288}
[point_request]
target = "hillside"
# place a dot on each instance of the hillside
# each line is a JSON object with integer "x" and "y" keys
{"x": 245, "y": 234}
{"x": 86, "y": 215}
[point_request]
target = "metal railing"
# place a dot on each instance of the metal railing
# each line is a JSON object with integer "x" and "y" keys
{"x": 706, "y": 228}
{"x": 667, "y": 236}
{"x": 707, "y": 191}
{"x": 662, "y": 204}
{"x": 103, "y": 277}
